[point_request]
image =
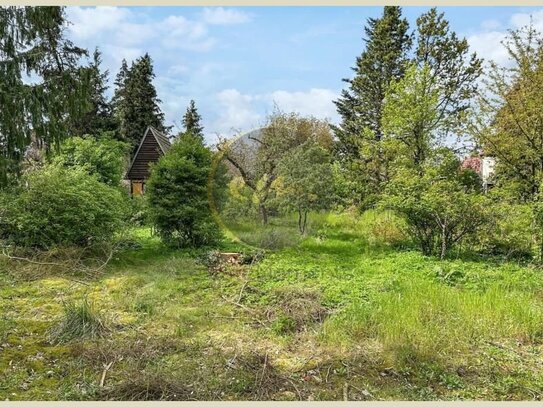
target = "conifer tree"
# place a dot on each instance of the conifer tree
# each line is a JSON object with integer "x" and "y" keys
{"x": 37, "y": 110}
{"x": 118, "y": 100}
{"x": 360, "y": 105}
{"x": 99, "y": 117}
{"x": 137, "y": 104}
{"x": 191, "y": 121}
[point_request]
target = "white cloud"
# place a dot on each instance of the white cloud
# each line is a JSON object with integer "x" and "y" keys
{"x": 238, "y": 111}
{"x": 222, "y": 16}
{"x": 315, "y": 102}
{"x": 88, "y": 23}
{"x": 119, "y": 27}
{"x": 522, "y": 19}
{"x": 491, "y": 24}
{"x": 488, "y": 41}
{"x": 488, "y": 46}
{"x": 243, "y": 112}
{"x": 180, "y": 32}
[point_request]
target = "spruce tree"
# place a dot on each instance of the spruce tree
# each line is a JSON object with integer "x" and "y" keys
{"x": 118, "y": 100}
{"x": 191, "y": 121}
{"x": 99, "y": 117}
{"x": 40, "y": 110}
{"x": 360, "y": 105}
{"x": 136, "y": 101}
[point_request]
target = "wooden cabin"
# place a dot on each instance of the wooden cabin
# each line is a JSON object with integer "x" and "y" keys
{"x": 153, "y": 145}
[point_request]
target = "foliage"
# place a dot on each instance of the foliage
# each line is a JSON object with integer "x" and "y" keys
{"x": 191, "y": 121}
{"x": 239, "y": 202}
{"x": 99, "y": 117}
{"x": 360, "y": 106}
{"x": 410, "y": 117}
{"x": 384, "y": 58}
{"x": 103, "y": 157}
{"x": 440, "y": 209}
{"x": 508, "y": 124}
{"x": 33, "y": 43}
{"x": 305, "y": 181}
{"x": 380, "y": 104}
{"x": 139, "y": 211}
{"x": 510, "y": 230}
{"x": 136, "y": 103}
{"x": 177, "y": 191}
{"x": 61, "y": 207}
{"x": 454, "y": 70}
{"x": 255, "y": 157}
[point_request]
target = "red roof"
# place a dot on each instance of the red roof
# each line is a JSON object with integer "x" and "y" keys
{"x": 473, "y": 163}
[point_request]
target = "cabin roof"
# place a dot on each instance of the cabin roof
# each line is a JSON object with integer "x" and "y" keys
{"x": 161, "y": 139}
{"x": 163, "y": 144}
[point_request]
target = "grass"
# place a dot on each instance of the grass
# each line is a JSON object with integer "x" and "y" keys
{"x": 80, "y": 320}
{"x": 349, "y": 307}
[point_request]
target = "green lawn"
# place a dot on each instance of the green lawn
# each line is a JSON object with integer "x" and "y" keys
{"x": 338, "y": 314}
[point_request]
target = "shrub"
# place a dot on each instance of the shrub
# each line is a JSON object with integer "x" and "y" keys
{"x": 139, "y": 211}
{"x": 383, "y": 228}
{"x": 510, "y": 232}
{"x": 177, "y": 191}
{"x": 60, "y": 207}
{"x": 441, "y": 206}
{"x": 104, "y": 157}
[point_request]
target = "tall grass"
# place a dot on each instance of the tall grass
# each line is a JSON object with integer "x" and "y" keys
{"x": 421, "y": 321}
{"x": 80, "y": 320}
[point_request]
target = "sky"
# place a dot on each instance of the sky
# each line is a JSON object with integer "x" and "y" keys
{"x": 239, "y": 63}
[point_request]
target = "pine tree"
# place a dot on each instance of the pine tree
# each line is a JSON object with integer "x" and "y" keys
{"x": 360, "y": 106}
{"x": 140, "y": 104}
{"x": 37, "y": 110}
{"x": 191, "y": 121}
{"x": 99, "y": 117}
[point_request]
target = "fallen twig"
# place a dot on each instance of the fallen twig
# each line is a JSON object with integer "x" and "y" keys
{"x": 104, "y": 372}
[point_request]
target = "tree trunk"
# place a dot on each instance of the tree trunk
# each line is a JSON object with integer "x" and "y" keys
{"x": 304, "y": 223}
{"x": 300, "y": 221}
{"x": 443, "y": 240}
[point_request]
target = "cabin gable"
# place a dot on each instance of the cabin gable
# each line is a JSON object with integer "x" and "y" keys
{"x": 152, "y": 146}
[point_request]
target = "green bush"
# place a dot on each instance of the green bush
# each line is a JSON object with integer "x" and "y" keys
{"x": 383, "y": 228}
{"x": 139, "y": 211}
{"x": 60, "y": 207}
{"x": 105, "y": 157}
{"x": 177, "y": 191}
{"x": 510, "y": 232}
{"x": 441, "y": 203}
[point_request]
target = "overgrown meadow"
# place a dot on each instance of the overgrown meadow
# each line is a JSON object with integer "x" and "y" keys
{"x": 370, "y": 259}
{"x": 341, "y": 315}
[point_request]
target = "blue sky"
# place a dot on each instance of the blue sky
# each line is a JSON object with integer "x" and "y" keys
{"x": 237, "y": 63}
